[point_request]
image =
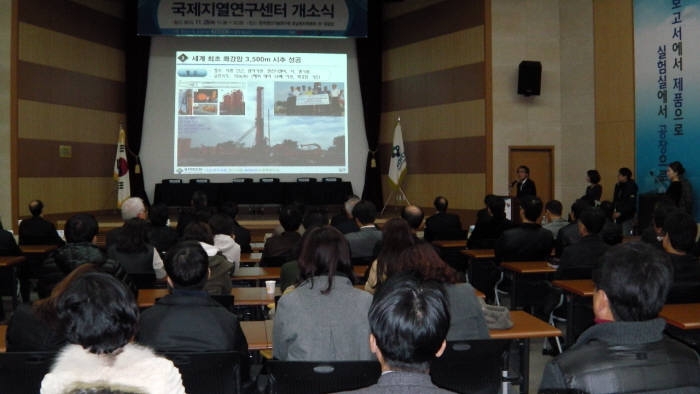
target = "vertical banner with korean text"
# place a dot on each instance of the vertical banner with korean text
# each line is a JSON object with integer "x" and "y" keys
{"x": 667, "y": 90}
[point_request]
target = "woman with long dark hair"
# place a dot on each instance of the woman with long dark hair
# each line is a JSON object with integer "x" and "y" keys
{"x": 680, "y": 191}
{"x": 594, "y": 190}
{"x": 324, "y": 318}
{"x": 396, "y": 237}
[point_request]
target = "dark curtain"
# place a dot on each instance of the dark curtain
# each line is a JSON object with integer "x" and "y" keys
{"x": 137, "y": 50}
{"x": 369, "y": 63}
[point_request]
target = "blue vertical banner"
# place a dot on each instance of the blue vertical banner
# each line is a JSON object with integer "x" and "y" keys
{"x": 667, "y": 92}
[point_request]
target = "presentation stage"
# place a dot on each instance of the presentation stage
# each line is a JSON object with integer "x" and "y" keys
{"x": 260, "y": 113}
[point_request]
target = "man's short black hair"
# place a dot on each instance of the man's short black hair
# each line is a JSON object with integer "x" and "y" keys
{"x": 681, "y": 230}
{"x": 532, "y": 207}
{"x": 97, "y": 312}
{"x": 36, "y": 207}
{"x": 199, "y": 199}
{"x": 626, "y": 172}
{"x": 636, "y": 277}
{"x": 593, "y": 219}
{"x": 440, "y": 204}
{"x": 221, "y": 224}
{"x": 290, "y": 217}
{"x": 578, "y": 207}
{"x": 594, "y": 176}
{"x": 554, "y": 206}
{"x": 81, "y": 227}
{"x": 526, "y": 168}
{"x": 365, "y": 212}
{"x": 229, "y": 208}
{"x": 158, "y": 214}
{"x": 198, "y": 231}
{"x": 314, "y": 218}
{"x": 409, "y": 320}
{"x": 413, "y": 215}
{"x": 497, "y": 206}
{"x": 187, "y": 265}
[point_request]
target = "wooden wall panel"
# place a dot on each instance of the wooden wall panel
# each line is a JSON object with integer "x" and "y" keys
{"x": 50, "y": 48}
{"x": 62, "y": 195}
{"x": 614, "y": 87}
{"x": 65, "y": 123}
{"x": 434, "y": 80}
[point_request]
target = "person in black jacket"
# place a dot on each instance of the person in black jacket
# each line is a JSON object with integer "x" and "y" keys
{"x": 594, "y": 190}
{"x": 527, "y": 241}
{"x": 569, "y": 234}
{"x": 680, "y": 232}
{"x": 525, "y": 185}
{"x": 442, "y": 225}
{"x": 162, "y": 236}
{"x": 486, "y": 232}
{"x": 37, "y": 230}
{"x": 8, "y": 245}
{"x": 625, "y": 200}
{"x": 188, "y": 319}
{"x": 579, "y": 259}
{"x": 628, "y": 342}
{"x": 242, "y": 234}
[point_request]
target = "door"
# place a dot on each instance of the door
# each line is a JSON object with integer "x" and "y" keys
{"x": 540, "y": 160}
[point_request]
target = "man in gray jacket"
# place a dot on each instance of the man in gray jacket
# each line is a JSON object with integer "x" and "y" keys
{"x": 626, "y": 351}
{"x": 408, "y": 321}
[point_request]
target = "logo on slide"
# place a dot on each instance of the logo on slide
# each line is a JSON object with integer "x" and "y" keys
{"x": 182, "y": 57}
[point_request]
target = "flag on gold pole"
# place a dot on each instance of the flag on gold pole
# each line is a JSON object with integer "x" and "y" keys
{"x": 397, "y": 165}
{"x": 121, "y": 169}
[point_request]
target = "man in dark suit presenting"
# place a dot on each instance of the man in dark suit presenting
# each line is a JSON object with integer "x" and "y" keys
{"x": 442, "y": 225}
{"x": 525, "y": 185}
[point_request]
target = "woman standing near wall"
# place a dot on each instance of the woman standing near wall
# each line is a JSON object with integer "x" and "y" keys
{"x": 680, "y": 191}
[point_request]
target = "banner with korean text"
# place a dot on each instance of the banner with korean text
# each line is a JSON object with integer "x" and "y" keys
{"x": 667, "y": 92}
{"x": 297, "y": 18}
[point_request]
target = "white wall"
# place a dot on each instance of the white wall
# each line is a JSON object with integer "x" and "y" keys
{"x": 559, "y": 34}
{"x": 5, "y": 180}
{"x": 157, "y": 141}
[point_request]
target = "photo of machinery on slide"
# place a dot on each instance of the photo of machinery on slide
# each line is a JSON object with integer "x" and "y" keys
{"x": 244, "y": 112}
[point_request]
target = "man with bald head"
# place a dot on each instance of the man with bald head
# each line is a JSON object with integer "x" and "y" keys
{"x": 442, "y": 225}
{"x": 37, "y": 230}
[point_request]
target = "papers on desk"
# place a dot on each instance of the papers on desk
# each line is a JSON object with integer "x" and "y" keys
{"x": 555, "y": 266}
{"x": 256, "y": 255}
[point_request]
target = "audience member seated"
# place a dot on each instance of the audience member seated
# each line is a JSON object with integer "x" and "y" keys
{"x": 224, "y": 239}
{"x": 219, "y": 282}
{"x": 413, "y": 215}
{"x": 161, "y": 235}
{"x": 188, "y": 320}
{"x": 242, "y": 234}
{"x": 409, "y": 321}
{"x": 289, "y": 273}
{"x": 487, "y": 231}
{"x": 133, "y": 252}
{"x": 626, "y": 351}
{"x": 466, "y": 317}
{"x": 611, "y": 232}
{"x": 363, "y": 242}
{"x": 680, "y": 232}
{"x": 34, "y": 328}
{"x": 442, "y": 225}
{"x": 283, "y": 246}
{"x": 80, "y": 231}
{"x": 483, "y": 214}
{"x": 552, "y": 217}
{"x": 654, "y": 234}
{"x": 324, "y": 318}
{"x": 396, "y": 237}
{"x": 100, "y": 317}
{"x": 37, "y": 230}
{"x": 579, "y": 259}
{"x": 344, "y": 221}
{"x": 528, "y": 241}
{"x": 198, "y": 211}
{"x": 8, "y": 245}
{"x": 132, "y": 208}
{"x": 569, "y": 235}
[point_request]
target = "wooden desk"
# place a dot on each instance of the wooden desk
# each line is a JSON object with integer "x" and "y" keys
{"x": 248, "y": 259}
{"x": 479, "y": 254}
{"x": 242, "y": 296}
{"x": 577, "y": 290}
{"x": 258, "y": 334}
{"x": 460, "y": 243}
{"x": 516, "y": 269}
{"x": 3, "y": 331}
{"x": 257, "y": 273}
{"x": 683, "y": 316}
{"x": 9, "y": 261}
{"x": 37, "y": 249}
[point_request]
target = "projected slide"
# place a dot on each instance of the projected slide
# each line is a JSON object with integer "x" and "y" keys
{"x": 260, "y": 113}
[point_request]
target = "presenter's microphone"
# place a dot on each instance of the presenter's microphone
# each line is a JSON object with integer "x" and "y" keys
{"x": 513, "y": 183}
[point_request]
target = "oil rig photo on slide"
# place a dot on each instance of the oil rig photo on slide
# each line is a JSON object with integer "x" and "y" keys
{"x": 236, "y": 153}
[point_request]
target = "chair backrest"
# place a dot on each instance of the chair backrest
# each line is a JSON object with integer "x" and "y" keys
{"x": 470, "y": 366}
{"x": 684, "y": 293}
{"x": 274, "y": 261}
{"x": 146, "y": 281}
{"x": 321, "y": 376}
{"x": 22, "y": 372}
{"x": 208, "y": 372}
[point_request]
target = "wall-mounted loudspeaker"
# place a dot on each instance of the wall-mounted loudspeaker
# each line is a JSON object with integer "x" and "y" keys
{"x": 529, "y": 77}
